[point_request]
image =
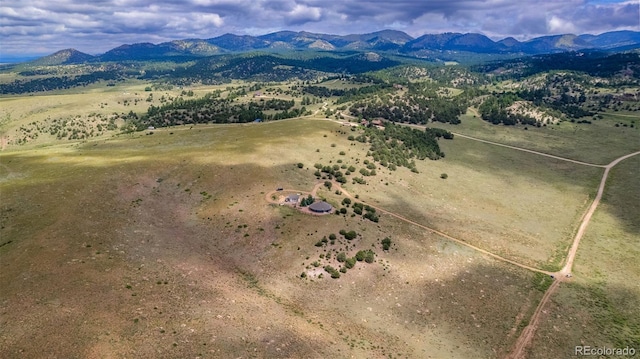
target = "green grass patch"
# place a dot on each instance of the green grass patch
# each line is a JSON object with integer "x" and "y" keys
{"x": 599, "y": 142}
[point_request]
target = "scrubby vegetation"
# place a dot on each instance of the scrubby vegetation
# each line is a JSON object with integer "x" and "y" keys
{"x": 334, "y": 255}
{"x": 399, "y": 146}
{"x": 211, "y": 108}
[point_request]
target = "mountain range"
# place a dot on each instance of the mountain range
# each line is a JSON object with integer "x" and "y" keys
{"x": 388, "y": 41}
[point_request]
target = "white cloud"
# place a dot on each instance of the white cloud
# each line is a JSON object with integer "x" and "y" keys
{"x": 209, "y": 19}
{"x": 301, "y": 14}
{"x": 97, "y": 25}
{"x": 560, "y": 26}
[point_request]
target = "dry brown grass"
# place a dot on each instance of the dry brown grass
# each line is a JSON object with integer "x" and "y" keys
{"x": 163, "y": 245}
{"x": 134, "y": 260}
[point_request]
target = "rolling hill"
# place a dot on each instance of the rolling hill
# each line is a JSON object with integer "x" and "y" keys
{"x": 388, "y": 41}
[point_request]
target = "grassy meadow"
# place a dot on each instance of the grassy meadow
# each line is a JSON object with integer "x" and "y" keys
{"x": 162, "y": 244}
{"x": 599, "y": 142}
{"x": 519, "y": 205}
{"x": 602, "y": 306}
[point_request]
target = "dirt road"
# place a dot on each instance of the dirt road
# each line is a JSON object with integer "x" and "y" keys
{"x": 515, "y": 148}
{"x": 587, "y": 217}
{"x": 337, "y": 185}
{"x": 527, "y": 334}
{"x": 525, "y": 338}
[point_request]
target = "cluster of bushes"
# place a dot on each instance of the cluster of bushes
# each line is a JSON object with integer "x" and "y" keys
{"x": 348, "y": 235}
{"x": 370, "y": 211}
{"x": 334, "y": 273}
{"x": 494, "y": 109}
{"x": 211, "y": 108}
{"x": 307, "y": 201}
{"x": 400, "y": 145}
{"x": 70, "y": 128}
{"x": 420, "y": 103}
{"x": 331, "y": 172}
{"x": 359, "y": 209}
{"x": 365, "y": 255}
{"x": 346, "y": 262}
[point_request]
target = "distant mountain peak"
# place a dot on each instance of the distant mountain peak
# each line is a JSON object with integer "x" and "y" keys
{"x": 384, "y": 41}
{"x": 63, "y": 57}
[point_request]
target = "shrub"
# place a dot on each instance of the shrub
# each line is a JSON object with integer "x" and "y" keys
{"x": 444, "y": 176}
{"x": 306, "y": 201}
{"x": 334, "y": 273}
{"x": 367, "y": 256}
{"x": 372, "y": 217}
{"x": 350, "y": 235}
{"x": 386, "y": 243}
{"x": 350, "y": 262}
{"x": 300, "y": 165}
{"x": 359, "y": 180}
{"x": 332, "y": 237}
{"x": 341, "y": 257}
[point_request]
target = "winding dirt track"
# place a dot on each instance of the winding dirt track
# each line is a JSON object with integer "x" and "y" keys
{"x": 528, "y": 333}
{"x": 530, "y": 151}
{"x": 269, "y": 199}
{"x": 587, "y": 217}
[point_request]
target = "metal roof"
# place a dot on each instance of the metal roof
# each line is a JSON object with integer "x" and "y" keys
{"x": 320, "y": 207}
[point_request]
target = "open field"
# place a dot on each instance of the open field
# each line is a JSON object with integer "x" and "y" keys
{"x": 599, "y": 142}
{"x": 32, "y": 117}
{"x": 161, "y": 244}
{"x": 340, "y": 84}
{"x": 602, "y": 306}
{"x": 142, "y": 250}
{"x": 522, "y": 206}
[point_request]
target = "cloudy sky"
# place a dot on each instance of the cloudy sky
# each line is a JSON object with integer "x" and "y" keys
{"x": 35, "y": 27}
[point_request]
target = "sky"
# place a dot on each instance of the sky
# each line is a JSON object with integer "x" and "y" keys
{"x": 40, "y": 27}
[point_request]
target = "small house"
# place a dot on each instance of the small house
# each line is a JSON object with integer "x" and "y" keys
{"x": 292, "y": 198}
